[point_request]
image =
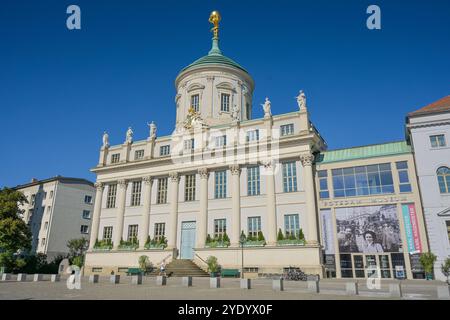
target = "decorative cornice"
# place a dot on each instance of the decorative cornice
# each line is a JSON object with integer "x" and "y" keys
{"x": 203, "y": 172}
{"x": 307, "y": 159}
{"x": 174, "y": 177}
{"x": 235, "y": 169}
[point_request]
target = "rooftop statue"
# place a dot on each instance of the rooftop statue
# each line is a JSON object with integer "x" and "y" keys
{"x": 152, "y": 127}
{"x": 266, "y": 106}
{"x": 129, "y": 138}
{"x": 301, "y": 100}
{"x": 105, "y": 140}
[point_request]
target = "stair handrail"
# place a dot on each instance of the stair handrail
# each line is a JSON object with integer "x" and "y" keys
{"x": 206, "y": 263}
{"x": 169, "y": 255}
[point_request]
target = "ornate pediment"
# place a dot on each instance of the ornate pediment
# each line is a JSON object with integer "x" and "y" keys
{"x": 444, "y": 213}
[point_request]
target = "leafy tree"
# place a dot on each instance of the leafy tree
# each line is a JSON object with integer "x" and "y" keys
{"x": 77, "y": 247}
{"x": 301, "y": 236}
{"x": 427, "y": 260}
{"x": 446, "y": 267}
{"x": 208, "y": 238}
{"x": 280, "y": 235}
{"x": 78, "y": 261}
{"x": 226, "y": 238}
{"x": 261, "y": 236}
{"x": 15, "y": 235}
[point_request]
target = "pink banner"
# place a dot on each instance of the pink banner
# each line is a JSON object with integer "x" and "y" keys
{"x": 415, "y": 227}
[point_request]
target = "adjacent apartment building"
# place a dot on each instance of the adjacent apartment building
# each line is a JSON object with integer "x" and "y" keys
{"x": 429, "y": 131}
{"x": 58, "y": 209}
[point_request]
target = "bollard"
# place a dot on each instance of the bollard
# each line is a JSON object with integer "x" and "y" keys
{"x": 186, "y": 281}
{"x": 161, "y": 280}
{"x": 55, "y": 278}
{"x": 278, "y": 284}
{"x": 21, "y": 277}
{"x": 246, "y": 284}
{"x": 214, "y": 283}
{"x": 351, "y": 288}
{"x": 443, "y": 292}
{"x": 37, "y": 277}
{"x": 93, "y": 278}
{"x": 115, "y": 279}
{"x": 395, "y": 290}
{"x": 6, "y": 276}
{"x": 313, "y": 286}
{"x": 136, "y": 279}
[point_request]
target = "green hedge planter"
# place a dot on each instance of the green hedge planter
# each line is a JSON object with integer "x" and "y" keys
{"x": 159, "y": 246}
{"x": 217, "y": 244}
{"x": 289, "y": 242}
{"x": 261, "y": 243}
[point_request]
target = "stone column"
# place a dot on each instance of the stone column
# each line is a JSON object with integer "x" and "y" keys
{"x": 96, "y": 215}
{"x": 143, "y": 229}
{"x": 122, "y": 184}
{"x": 203, "y": 219}
{"x": 236, "y": 205}
{"x": 311, "y": 233}
{"x": 269, "y": 169}
{"x": 172, "y": 236}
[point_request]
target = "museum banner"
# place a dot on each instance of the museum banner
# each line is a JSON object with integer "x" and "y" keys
{"x": 327, "y": 231}
{"x": 411, "y": 228}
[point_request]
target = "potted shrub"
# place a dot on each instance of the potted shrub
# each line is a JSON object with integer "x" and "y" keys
{"x": 445, "y": 267}
{"x": 427, "y": 260}
{"x": 226, "y": 239}
{"x": 280, "y": 235}
{"x": 213, "y": 266}
{"x": 144, "y": 264}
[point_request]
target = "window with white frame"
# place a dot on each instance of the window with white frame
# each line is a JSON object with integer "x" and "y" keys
{"x": 189, "y": 187}
{"x": 160, "y": 231}
{"x": 164, "y": 150}
{"x": 188, "y": 144}
{"x": 220, "y": 227}
{"x": 225, "y": 102}
{"x": 403, "y": 177}
{"x": 437, "y": 141}
{"x": 86, "y": 214}
{"x": 162, "y": 190}
{"x": 220, "y": 184}
{"x": 195, "y": 102}
{"x": 443, "y": 174}
{"x": 287, "y": 129}
{"x": 88, "y": 199}
{"x": 221, "y": 141}
{"x": 323, "y": 184}
{"x": 84, "y": 229}
{"x": 289, "y": 177}
{"x": 107, "y": 232}
{"x": 253, "y": 135}
{"x": 111, "y": 196}
{"x": 253, "y": 181}
{"x": 254, "y": 226}
{"x": 136, "y": 193}
{"x": 138, "y": 154}
{"x": 132, "y": 232}
{"x": 291, "y": 225}
{"x": 115, "y": 158}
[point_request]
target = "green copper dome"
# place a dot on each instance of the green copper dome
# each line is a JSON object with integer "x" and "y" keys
{"x": 215, "y": 56}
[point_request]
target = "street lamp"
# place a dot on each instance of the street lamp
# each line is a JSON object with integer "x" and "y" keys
{"x": 242, "y": 239}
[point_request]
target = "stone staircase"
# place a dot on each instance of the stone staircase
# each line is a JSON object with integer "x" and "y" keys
{"x": 182, "y": 268}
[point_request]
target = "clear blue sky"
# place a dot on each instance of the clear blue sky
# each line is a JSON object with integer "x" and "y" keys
{"x": 60, "y": 89}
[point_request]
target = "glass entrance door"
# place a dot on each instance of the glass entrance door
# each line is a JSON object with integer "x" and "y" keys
{"x": 187, "y": 240}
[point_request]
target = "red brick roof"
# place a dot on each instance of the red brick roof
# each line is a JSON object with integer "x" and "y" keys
{"x": 441, "y": 105}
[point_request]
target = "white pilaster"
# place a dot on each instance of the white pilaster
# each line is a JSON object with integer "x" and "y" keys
{"x": 96, "y": 215}
{"x": 172, "y": 236}
{"x": 271, "y": 208}
{"x": 203, "y": 219}
{"x": 311, "y": 232}
{"x": 143, "y": 229}
{"x": 120, "y": 213}
{"x": 236, "y": 205}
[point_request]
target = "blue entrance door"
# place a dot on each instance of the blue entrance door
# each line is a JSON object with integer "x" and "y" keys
{"x": 187, "y": 239}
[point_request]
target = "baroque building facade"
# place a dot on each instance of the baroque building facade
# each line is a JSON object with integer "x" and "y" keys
{"x": 226, "y": 185}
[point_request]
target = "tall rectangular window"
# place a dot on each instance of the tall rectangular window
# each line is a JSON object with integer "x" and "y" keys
{"x": 84, "y": 229}
{"x": 115, "y": 158}
{"x": 138, "y": 154}
{"x": 221, "y": 141}
{"x": 323, "y": 184}
{"x": 220, "y": 184}
{"x": 164, "y": 150}
{"x": 254, "y": 226}
{"x": 291, "y": 225}
{"x": 188, "y": 144}
{"x": 162, "y": 190}
{"x": 132, "y": 232}
{"x": 363, "y": 180}
{"x": 189, "y": 188}
{"x": 289, "y": 177}
{"x": 253, "y": 181}
{"x": 160, "y": 229}
{"x": 287, "y": 129}
{"x": 220, "y": 227}
{"x": 107, "y": 233}
{"x": 437, "y": 141}
{"x": 86, "y": 214}
{"x": 111, "y": 197}
{"x": 252, "y": 135}
{"x": 195, "y": 102}
{"x": 136, "y": 193}
{"x": 225, "y": 102}
{"x": 247, "y": 111}
{"x": 402, "y": 169}
{"x": 88, "y": 199}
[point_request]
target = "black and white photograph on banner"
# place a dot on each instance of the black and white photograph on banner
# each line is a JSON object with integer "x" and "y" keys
{"x": 369, "y": 229}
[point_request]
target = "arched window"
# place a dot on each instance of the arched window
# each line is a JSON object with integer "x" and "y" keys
{"x": 443, "y": 174}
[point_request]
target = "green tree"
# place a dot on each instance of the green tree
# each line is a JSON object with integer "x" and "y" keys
{"x": 280, "y": 235}
{"x": 301, "y": 236}
{"x": 226, "y": 239}
{"x": 77, "y": 247}
{"x": 261, "y": 236}
{"x": 427, "y": 260}
{"x": 15, "y": 235}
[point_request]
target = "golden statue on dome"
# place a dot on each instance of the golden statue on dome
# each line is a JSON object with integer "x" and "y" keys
{"x": 215, "y": 18}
